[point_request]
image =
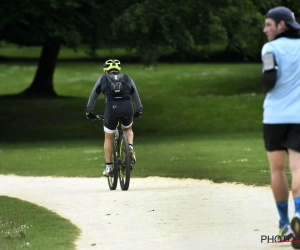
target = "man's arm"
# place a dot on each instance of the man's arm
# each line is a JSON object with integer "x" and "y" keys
{"x": 269, "y": 72}
{"x": 269, "y": 77}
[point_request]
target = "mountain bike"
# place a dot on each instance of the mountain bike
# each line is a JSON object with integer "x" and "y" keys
{"x": 122, "y": 163}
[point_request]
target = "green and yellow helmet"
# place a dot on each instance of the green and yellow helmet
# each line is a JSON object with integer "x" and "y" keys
{"x": 112, "y": 64}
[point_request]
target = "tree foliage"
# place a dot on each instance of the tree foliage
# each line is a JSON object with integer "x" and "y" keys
{"x": 50, "y": 24}
{"x": 32, "y": 22}
{"x": 152, "y": 26}
{"x": 148, "y": 26}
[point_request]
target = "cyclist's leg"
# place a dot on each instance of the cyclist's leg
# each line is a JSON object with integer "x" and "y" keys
{"x": 127, "y": 112}
{"x": 109, "y": 126}
{"x": 108, "y": 142}
{"x": 127, "y": 130}
{"x": 127, "y": 122}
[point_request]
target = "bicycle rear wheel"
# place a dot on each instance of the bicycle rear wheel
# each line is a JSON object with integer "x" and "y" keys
{"x": 124, "y": 171}
{"x": 113, "y": 178}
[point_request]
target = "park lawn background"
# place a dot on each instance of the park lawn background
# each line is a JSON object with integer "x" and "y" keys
{"x": 24, "y": 225}
{"x": 200, "y": 121}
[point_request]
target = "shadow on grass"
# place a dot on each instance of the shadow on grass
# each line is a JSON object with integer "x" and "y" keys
{"x": 32, "y": 118}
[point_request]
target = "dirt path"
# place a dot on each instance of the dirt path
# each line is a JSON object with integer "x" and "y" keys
{"x": 156, "y": 213}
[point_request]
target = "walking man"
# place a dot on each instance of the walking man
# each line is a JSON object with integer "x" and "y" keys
{"x": 281, "y": 116}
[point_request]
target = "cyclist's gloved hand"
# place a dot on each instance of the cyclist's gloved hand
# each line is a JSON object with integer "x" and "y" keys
{"x": 137, "y": 114}
{"x": 90, "y": 115}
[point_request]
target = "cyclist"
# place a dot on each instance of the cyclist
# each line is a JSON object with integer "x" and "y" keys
{"x": 120, "y": 95}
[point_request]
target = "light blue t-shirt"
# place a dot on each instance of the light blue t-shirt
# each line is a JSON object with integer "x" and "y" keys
{"x": 282, "y": 103}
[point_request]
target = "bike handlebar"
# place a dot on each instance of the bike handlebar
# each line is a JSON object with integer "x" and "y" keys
{"x": 101, "y": 117}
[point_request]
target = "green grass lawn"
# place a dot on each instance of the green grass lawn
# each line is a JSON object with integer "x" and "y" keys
{"x": 204, "y": 107}
{"x": 201, "y": 121}
{"x": 221, "y": 158}
{"x": 27, "y": 226}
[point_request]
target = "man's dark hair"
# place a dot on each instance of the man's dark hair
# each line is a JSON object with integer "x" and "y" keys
{"x": 288, "y": 26}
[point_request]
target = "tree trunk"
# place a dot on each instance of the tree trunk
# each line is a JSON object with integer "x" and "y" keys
{"x": 42, "y": 84}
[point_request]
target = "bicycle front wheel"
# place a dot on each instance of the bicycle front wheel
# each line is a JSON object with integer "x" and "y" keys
{"x": 124, "y": 170}
{"x": 113, "y": 178}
